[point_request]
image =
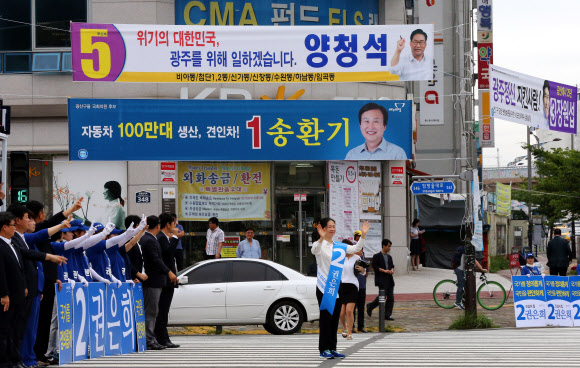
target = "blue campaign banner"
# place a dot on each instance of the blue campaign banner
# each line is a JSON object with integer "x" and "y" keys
{"x": 81, "y": 323}
{"x": 575, "y": 298}
{"x": 139, "y": 317}
{"x": 239, "y": 130}
{"x": 558, "y": 298}
{"x": 529, "y": 301}
{"x": 266, "y": 13}
{"x": 64, "y": 301}
{"x": 113, "y": 310}
{"x": 128, "y": 344}
{"x": 97, "y": 304}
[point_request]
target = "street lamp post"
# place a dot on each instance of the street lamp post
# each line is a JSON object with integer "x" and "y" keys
{"x": 530, "y": 222}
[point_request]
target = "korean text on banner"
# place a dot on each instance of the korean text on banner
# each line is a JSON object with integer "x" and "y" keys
{"x": 486, "y": 122}
{"x": 230, "y": 247}
{"x": 214, "y": 54}
{"x": 370, "y": 196}
{"x": 265, "y": 13}
{"x": 575, "y": 299}
{"x": 529, "y": 301}
{"x": 97, "y": 328}
{"x": 113, "y": 321}
{"x": 228, "y": 191}
{"x": 139, "y": 317}
{"x": 558, "y": 301}
{"x": 503, "y": 199}
{"x": 64, "y": 303}
{"x": 127, "y": 319}
{"x": 343, "y": 202}
{"x": 532, "y": 101}
{"x": 206, "y": 130}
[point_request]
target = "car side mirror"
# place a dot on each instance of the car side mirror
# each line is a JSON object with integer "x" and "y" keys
{"x": 183, "y": 280}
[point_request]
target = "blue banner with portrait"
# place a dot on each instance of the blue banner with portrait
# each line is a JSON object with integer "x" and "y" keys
{"x": 97, "y": 304}
{"x": 241, "y": 130}
{"x": 81, "y": 322}
{"x": 139, "y": 317}
{"x": 113, "y": 310}
{"x": 64, "y": 310}
{"x": 266, "y": 13}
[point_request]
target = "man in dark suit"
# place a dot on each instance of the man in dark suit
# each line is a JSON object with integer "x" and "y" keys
{"x": 13, "y": 292}
{"x": 134, "y": 257}
{"x": 384, "y": 268}
{"x": 559, "y": 254}
{"x": 157, "y": 273}
{"x": 50, "y": 272}
{"x": 168, "y": 241}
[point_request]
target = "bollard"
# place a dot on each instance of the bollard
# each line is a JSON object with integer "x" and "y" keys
{"x": 218, "y": 330}
{"x": 381, "y": 310}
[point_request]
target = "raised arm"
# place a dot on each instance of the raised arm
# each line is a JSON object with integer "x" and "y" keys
{"x": 73, "y": 243}
{"x": 121, "y": 239}
{"x": 351, "y": 249}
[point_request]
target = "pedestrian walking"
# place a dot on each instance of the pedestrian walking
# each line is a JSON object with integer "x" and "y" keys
{"x": 215, "y": 239}
{"x": 384, "y": 268}
{"x": 348, "y": 292}
{"x": 330, "y": 258}
{"x": 415, "y": 245}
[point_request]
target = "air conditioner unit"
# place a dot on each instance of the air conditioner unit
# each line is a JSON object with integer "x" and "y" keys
{"x": 46, "y": 62}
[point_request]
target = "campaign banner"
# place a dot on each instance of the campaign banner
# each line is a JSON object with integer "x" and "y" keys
{"x": 477, "y": 238}
{"x": 529, "y": 301}
{"x": 486, "y": 122}
{"x": 432, "y": 92}
{"x": 228, "y": 130}
{"x": 139, "y": 317}
{"x": 343, "y": 199}
{"x": 80, "y": 322}
{"x": 369, "y": 190}
{"x": 503, "y": 199}
{"x": 128, "y": 337}
{"x": 216, "y": 54}
{"x": 97, "y": 304}
{"x": 228, "y": 191}
{"x": 558, "y": 299}
{"x": 532, "y": 101}
{"x": 64, "y": 310}
{"x": 575, "y": 299}
{"x": 113, "y": 320}
{"x": 265, "y": 13}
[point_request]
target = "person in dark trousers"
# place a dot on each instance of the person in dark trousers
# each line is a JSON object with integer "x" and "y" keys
{"x": 384, "y": 268}
{"x": 362, "y": 296}
{"x": 13, "y": 292}
{"x": 135, "y": 255}
{"x": 179, "y": 250}
{"x": 157, "y": 273}
{"x": 168, "y": 240}
{"x": 50, "y": 273}
{"x": 559, "y": 254}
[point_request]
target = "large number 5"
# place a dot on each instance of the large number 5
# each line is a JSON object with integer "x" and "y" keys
{"x": 103, "y": 52}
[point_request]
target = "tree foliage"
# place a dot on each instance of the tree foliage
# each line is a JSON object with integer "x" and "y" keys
{"x": 556, "y": 193}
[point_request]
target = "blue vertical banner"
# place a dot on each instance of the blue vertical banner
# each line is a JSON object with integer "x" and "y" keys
{"x": 81, "y": 323}
{"x": 558, "y": 298}
{"x": 332, "y": 282}
{"x": 529, "y": 301}
{"x": 113, "y": 310}
{"x": 139, "y": 317}
{"x": 128, "y": 344}
{"x": 64, "y": 301}
{"x": 97, "y": 303}
{"x": 575, "y": 298}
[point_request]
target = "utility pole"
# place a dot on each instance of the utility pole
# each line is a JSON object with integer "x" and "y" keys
{"x": 573, "y": 222}
{"x": 530, "y": 223}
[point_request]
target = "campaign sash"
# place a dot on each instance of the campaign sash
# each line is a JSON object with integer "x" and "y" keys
{"x": 334, "y": 276}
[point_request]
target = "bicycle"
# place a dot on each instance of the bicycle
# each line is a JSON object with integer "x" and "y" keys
{"x": 490, "y": 294}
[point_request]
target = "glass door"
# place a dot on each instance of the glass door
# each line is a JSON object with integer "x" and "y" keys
{"x": 297, "y": 211}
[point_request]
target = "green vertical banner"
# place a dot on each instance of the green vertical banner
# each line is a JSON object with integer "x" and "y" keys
{"x": 504, "y": 199}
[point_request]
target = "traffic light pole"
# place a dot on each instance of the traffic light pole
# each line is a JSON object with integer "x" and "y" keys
{"x": 3, "y": 167}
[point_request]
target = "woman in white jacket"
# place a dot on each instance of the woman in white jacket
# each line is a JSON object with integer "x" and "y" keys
{"x": 323, "y": 251}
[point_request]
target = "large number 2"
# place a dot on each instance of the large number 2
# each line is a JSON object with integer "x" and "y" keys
{"x": 336, "y": 262}
{"x": 521, "y": 315}
{"x": 551, "y": 316}
{"x": 103, "y": 52}
{"x": 81, "y": 346}
{"x": 577, "y": 315}
{"x": 255, "y": 126}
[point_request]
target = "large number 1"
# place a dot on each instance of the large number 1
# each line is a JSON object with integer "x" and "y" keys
{"x": 103, "y": 52}
{"x": 255, "y": 125}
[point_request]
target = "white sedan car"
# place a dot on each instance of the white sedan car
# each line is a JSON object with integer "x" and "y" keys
{"x": 233, "y": 291}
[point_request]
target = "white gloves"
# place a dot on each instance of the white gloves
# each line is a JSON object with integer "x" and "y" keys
{"x": 131, "y": 282}
{"x": 72, "y": 283}
{"x": 119, "y": 283}
{"x": 143, "y": 223}
{"x": 92, "y": 230}
{"x": 84, "y": 281}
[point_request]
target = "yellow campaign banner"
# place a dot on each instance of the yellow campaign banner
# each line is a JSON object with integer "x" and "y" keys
{"x": 503, "y": 199}
{"x": 228, "y": 191}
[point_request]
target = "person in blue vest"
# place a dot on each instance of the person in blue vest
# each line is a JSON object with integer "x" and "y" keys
{"x": 115, "y": 241}
{"x": 529, "y": 269}
{"x": 99, "y": 261}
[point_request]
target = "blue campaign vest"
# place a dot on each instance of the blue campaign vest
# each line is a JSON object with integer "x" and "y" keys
{"x": 334, "y": 276}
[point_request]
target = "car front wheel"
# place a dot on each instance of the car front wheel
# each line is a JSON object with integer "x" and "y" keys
{"x": 285, "y": 318}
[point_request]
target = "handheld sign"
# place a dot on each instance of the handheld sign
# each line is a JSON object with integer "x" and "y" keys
{"x": 65, "y": 323}
{"x": 529, "y": 301}
{"x": 81, "y": 324}
{"x": 97, "y": 302}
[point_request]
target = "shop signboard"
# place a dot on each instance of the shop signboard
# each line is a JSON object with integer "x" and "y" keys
{"x": 277, "y": 13}
{"x": 262, "y": 54}
{"x": 230, "y": 246}
{"x": 532, "y": 101}
{"x": 217, "y": 130}
{"x": 228, "y": 191}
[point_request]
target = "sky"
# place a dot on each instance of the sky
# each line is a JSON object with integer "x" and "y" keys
{"x": 538, "y": 38}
